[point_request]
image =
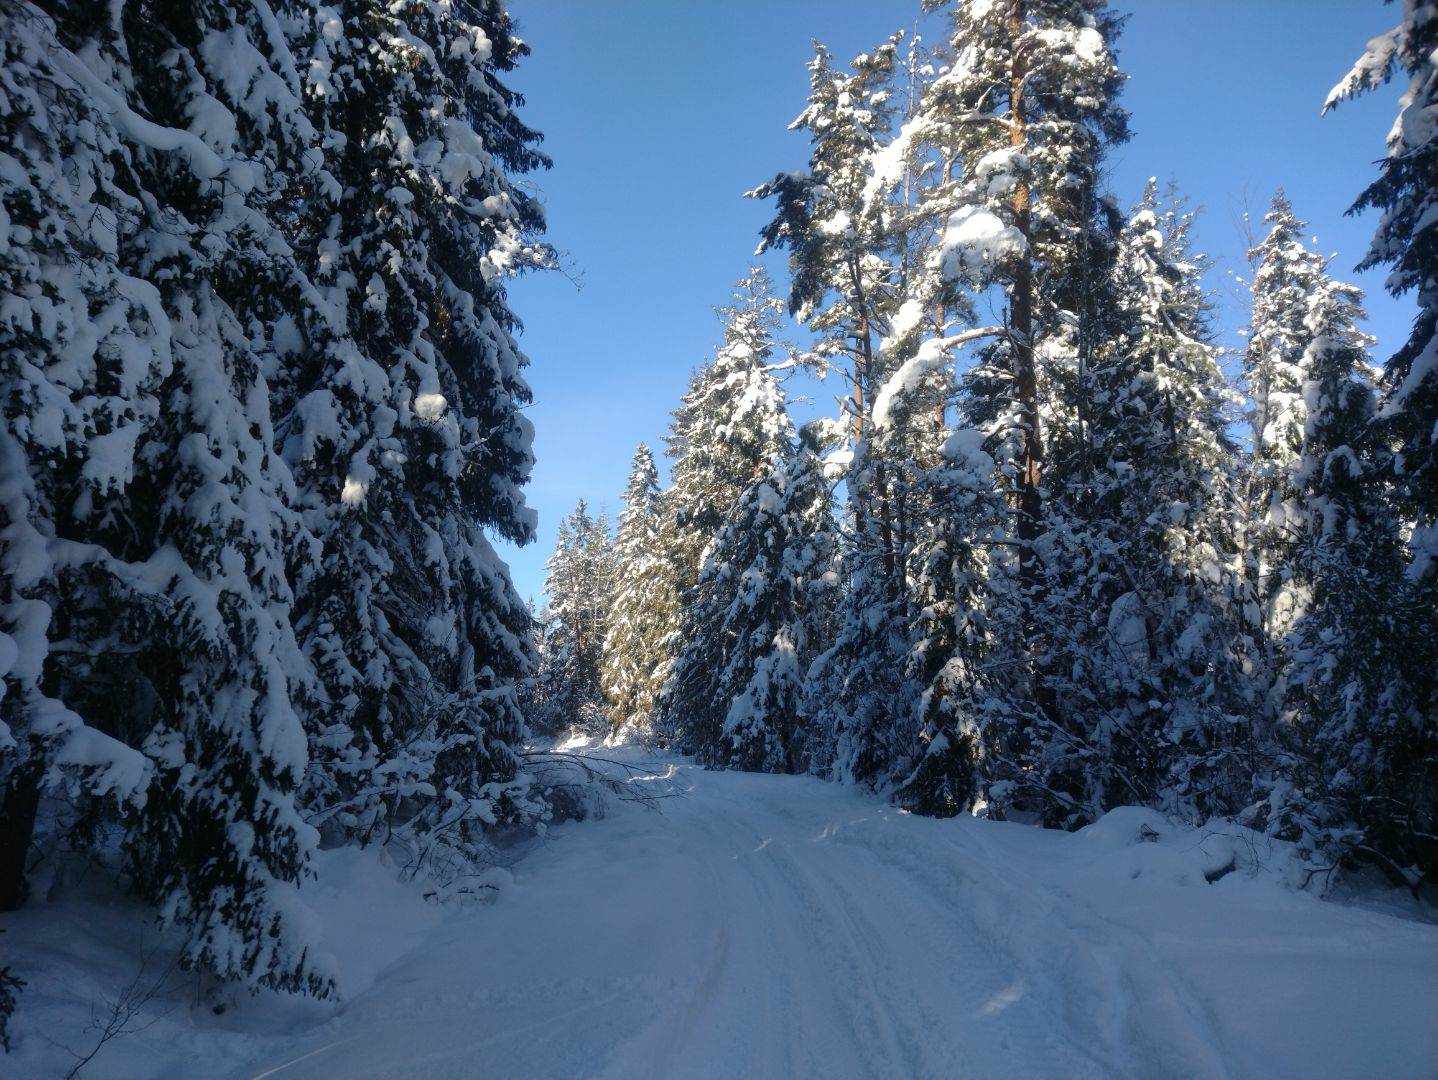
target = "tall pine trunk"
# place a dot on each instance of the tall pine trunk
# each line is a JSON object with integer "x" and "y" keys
{"x": 1021, "y": 319}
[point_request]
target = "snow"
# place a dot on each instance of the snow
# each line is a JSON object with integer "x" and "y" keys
{"x": 931, "y": 357}
{"x": 430, "y": 406}
{"x": 836, "y": 462}
{"x": 841, "y": 224}
{"x": 783, "y": 926}
{"x": 113, "y": 768}
{"x": 975, "y": 242}
{"x": 1423, "y": 547}
{"x": 1084, "y": 44}
{"x": 906, "y": 320}
{"x": 999, "y": 171}
{"x": 1422, "y": 368}
{"x": 964, "y": 447}
{"x": 353, "y": 493}
{"x": 886, "y": 164}
{"x": 1370, "y": 69}
{"x": 203, "y": 162}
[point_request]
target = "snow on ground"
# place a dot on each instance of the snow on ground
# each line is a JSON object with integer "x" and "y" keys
{"x": 782, "y": 926}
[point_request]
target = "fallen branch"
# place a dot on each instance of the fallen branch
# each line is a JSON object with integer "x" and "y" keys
{"x": 625, "y": 788}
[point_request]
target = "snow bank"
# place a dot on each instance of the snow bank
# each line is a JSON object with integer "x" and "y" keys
{"x": 91, "y": 945}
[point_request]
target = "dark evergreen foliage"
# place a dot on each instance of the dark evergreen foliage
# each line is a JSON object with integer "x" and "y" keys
{"x": 262, "y": 411}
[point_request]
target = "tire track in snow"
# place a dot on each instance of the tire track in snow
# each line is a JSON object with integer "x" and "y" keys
{"x": 781, "y": 926}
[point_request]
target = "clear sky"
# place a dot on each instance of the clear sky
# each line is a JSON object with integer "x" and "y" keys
{"x": 659, "y": 114}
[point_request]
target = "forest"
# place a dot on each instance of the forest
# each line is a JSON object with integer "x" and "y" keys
{"x": 1057, "y": 564}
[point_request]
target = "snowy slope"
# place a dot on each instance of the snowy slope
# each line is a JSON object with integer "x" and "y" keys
{"x": 782, "y": 926}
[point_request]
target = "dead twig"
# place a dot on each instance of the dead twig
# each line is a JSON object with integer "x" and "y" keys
{"x": 124, "y": 1013}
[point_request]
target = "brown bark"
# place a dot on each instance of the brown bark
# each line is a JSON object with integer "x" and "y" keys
{"x": 1021, "y": 330}
{"x": 864, "y": 360}
{"x": 1021, "y": 316}
{"x": 858, "y": 406}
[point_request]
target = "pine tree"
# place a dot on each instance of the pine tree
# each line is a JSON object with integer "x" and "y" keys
{"x": 1005, "y": 145}
{"x": 579, "y": 585}
{"x": 845, "y": 254}
{"x": 1026, "y": 107}
{"x": 402, "y": 421}
{"x": 841, "y": 250}
{"x": 644, "y": 607}
{"x": 896, "y": 691}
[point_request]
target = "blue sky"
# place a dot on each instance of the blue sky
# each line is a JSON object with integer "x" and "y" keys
{"x": 660, "y": 114}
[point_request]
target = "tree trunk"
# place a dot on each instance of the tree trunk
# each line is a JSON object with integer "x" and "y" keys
{"x": 1021, "y": 317}
{"x": 864, "y": 371}
{"x": 864, "y": 361}
{"x": 1021, "y": 329}
{"x": 886, "y": 534}
{"x": 17, "y": 827}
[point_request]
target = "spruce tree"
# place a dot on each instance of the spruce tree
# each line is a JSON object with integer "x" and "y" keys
{"x": 862, "y": 689}
{"x": 644, "y": 607}
{"x": 757, "y": 612}
{"x": 1151, "y": 691}
{"x": 858, "y": 690}
{"x": 727, "y": 433}
{"x": 947, "y": 768}
{"x": 169, "y": 570}
{"x": 1357, "y": 749}
{"x": 67, "y": 200}
{"x": 402, "y": 420}
{"x": 1406, "y": 241}
{"x": 223, "y": 213}
{"x": 1285, "y": 276}
{"x": 579, "y": 586}
{"x": 727, "y": 427}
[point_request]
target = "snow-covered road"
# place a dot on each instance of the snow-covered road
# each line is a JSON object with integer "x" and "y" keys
{"x": 771, "y": 926}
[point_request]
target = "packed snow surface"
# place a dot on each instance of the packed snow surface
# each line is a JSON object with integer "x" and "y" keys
{"x": 778, "y": 926}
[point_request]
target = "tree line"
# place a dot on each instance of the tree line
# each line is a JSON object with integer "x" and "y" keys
{"x": 1061, "y": 563}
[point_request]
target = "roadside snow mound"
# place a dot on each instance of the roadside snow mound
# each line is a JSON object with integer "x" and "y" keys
{"x": 1131, "y": 843}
